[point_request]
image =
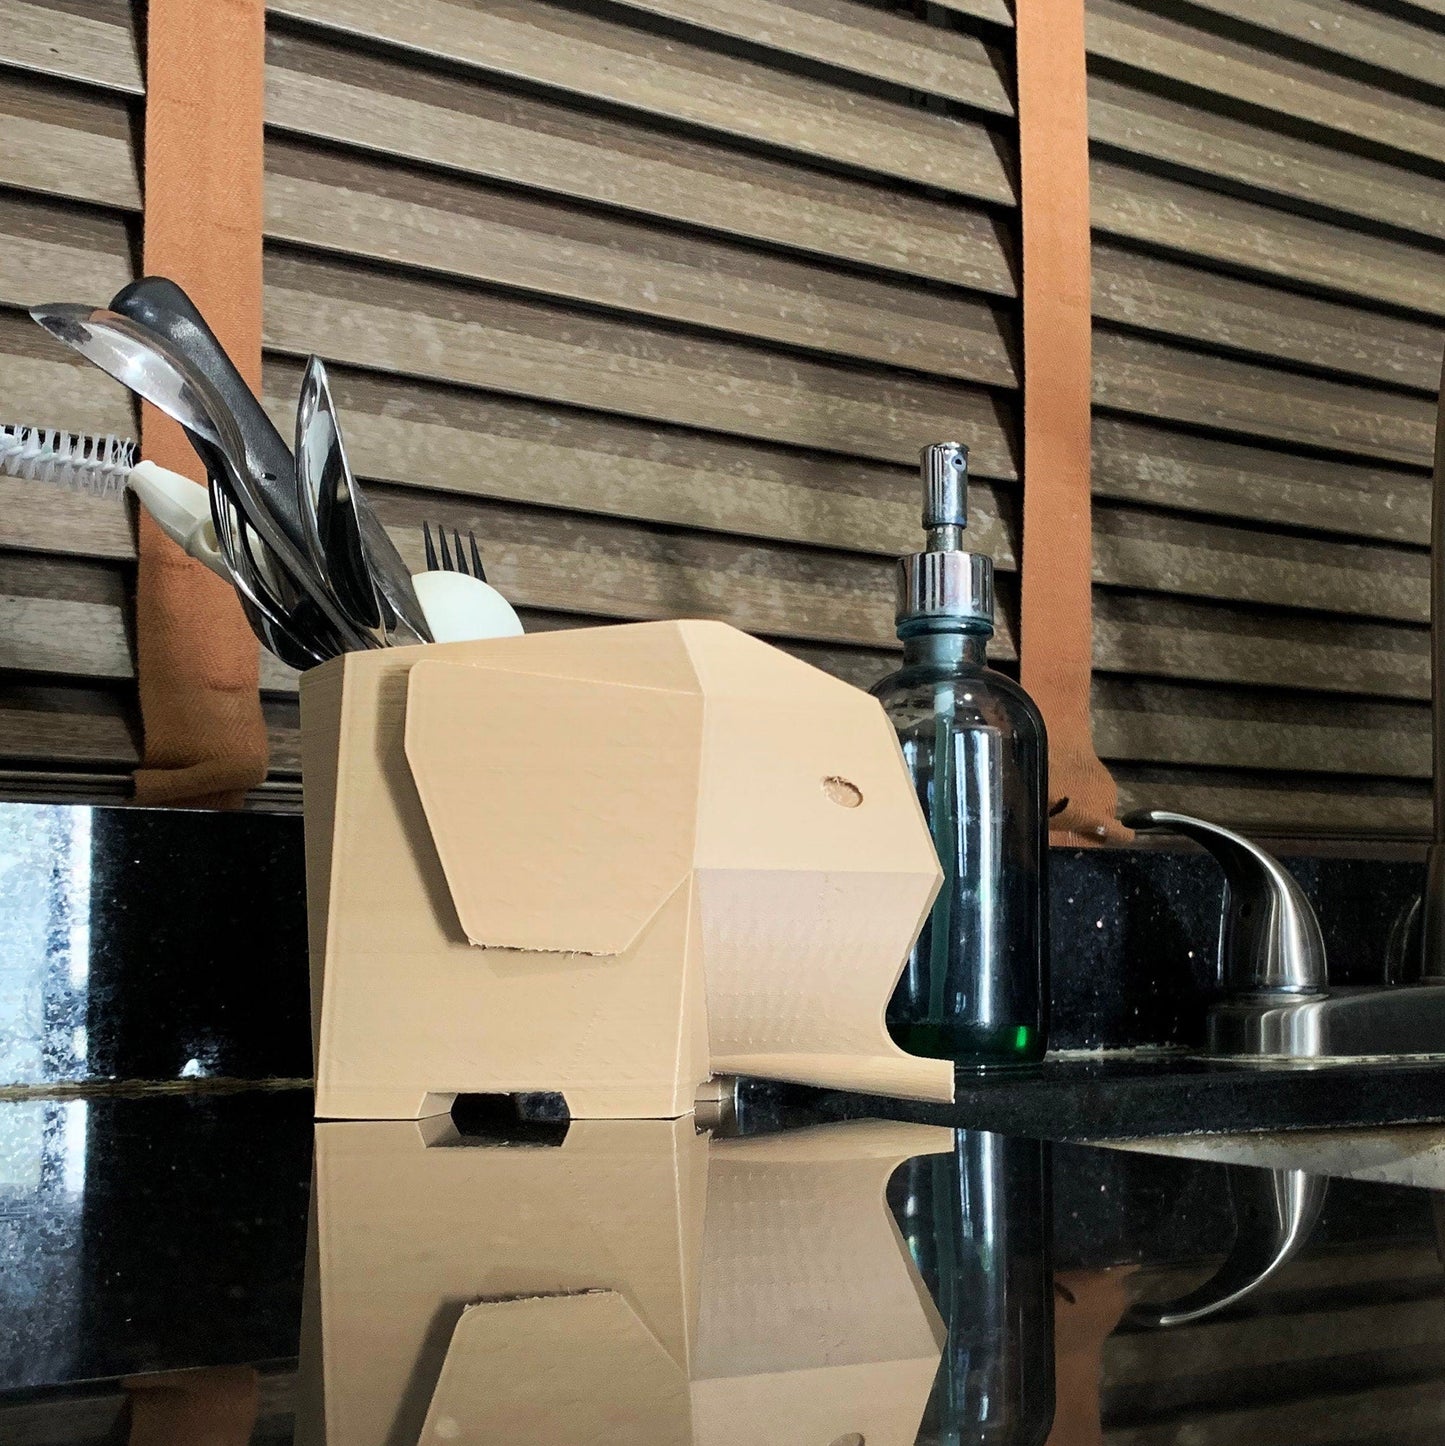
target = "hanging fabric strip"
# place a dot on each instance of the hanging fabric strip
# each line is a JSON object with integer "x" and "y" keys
{"x": 196, "y": 659}
{"x": 1056, "y": 614}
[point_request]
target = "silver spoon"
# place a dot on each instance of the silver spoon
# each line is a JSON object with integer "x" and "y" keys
{"x": 362, "y": 558}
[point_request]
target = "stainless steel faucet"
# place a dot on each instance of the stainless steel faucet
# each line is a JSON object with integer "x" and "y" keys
{"x": 1280, "y": 1004}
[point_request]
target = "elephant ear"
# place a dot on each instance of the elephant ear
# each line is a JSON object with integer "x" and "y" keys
{"x": 563, "y": 809}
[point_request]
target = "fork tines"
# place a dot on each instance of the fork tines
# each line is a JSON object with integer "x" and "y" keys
{"x": 440, "y": 557}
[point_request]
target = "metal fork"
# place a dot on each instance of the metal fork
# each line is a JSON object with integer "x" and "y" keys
{"x": 452, "y": 562}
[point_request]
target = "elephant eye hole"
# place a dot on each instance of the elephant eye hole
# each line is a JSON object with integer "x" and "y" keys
{"x": 843, "y": 793}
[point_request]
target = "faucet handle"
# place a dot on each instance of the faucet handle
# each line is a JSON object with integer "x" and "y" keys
{"x": 1269, "y": 939}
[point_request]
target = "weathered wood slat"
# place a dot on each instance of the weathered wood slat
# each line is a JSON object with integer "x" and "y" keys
{"x": 386, "y": 213}
{"x": 1166, "y": 553}
{"x": 1254, "y": 806}
{"x": 60, "y": 142}
{"x": 58, "y": 726}
{"x": 1207, "y": 727}
{"x": 1304, "y": 173}
{"x": 1147, "y": 635}
{"x": 424, "y": 329}
{"x": 88, "y": 640}
{"x": 38, "y": 517}
{"x": 1171, "y": 49}
{"x": 1137, "y": 461}
{"x": 1132, "y": 374}
{"x": 1204, "y": 307}
{"x": 99, "y": 47}
{"x": 1356, "y": 32}
{"x": 1213, "y": 226}
{"x": 582, "y": 55}
{"x": 378, "y": 105}
{"x": 855, "y": 37}
{"x": 50, "y": 252}
{"x": 47, "y": 385}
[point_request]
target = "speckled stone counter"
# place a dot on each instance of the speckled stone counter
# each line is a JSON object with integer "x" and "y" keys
{"x": 161, "y": 946}
{"x": 168, "y": 1232}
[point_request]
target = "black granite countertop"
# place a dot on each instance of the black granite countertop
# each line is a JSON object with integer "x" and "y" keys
{"x": 157, "y": 946}
{"x": 819, "y": 1267}
{"x": 803, "y": 1279}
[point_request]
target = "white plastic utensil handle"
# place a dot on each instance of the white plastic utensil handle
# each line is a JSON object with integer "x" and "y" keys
{"x": 460, "y": 608}
{"x": 182, "y": 510}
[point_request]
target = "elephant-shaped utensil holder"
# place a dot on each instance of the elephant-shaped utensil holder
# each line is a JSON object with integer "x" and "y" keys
{"x": 606, "y": 863}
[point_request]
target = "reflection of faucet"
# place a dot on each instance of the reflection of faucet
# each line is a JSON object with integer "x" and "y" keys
{"x": 1279, "y": 1003}
{"x": 1274, "y": 1213}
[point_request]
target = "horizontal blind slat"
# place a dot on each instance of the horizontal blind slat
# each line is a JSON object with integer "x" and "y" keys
{"x": 585, "y": 56}
{"x": 424, "y": 329}
{"x": 100, "y": 48}
{"x": 855, "y": 37}
{"x": 378, "y": 105}
{"x": 61, "y": 143}
{"x": 1173, "y": 50}
{"x": 355, "y": 209}
{"x": 1135, "y": 374}
{"x": 1211, "y": 226}
{"x": 1207, "y": 309}
{"x": 1296, "y": 171}
{"x": 1354, "y": 32}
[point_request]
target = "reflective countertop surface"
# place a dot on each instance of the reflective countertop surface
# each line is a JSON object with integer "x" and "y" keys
{"x": 150, "y": 945}
{"x": 826, "y": 1282}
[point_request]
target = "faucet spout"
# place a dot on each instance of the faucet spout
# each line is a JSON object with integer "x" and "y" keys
{"x": 1269, "y": 938}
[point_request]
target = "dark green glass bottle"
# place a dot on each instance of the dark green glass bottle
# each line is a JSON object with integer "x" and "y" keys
{"x": 975, "y": 988}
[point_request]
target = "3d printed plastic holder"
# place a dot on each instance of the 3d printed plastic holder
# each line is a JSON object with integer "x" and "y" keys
{"x": 607, "y": 863}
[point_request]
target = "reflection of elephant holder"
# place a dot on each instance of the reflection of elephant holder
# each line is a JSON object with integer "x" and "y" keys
{"x": 636, "y": 1283}
{"x": 681, "y": 852}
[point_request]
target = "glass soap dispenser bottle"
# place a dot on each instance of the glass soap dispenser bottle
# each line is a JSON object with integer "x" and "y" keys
{"x": 975, "y": 987}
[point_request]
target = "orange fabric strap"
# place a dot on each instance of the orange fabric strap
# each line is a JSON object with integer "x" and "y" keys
{"x": 1088, "y": 1305}
{"x": 1056, "y": 642}
{"x": 196, "y": 659}
{"x": 211, "y": 1407}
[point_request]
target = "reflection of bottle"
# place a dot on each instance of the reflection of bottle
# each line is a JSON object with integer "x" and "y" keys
{"x": 974, "y": 989}
{"x": 979, "y": 1226}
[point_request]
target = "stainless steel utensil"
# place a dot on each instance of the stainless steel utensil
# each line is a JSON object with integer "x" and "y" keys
{"x": 328, "y": 503}
{"x": 151, "y": 368}
{"x": 128, "y": 352}
{"x": 363, "y": 552}
{"x": 460, "y": 604}
{"x": 446, "y": 563}
{"x": 253, "y": 593}
{"x": 165, "y": 310}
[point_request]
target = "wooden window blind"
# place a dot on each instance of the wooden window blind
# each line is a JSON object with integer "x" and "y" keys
{"x": 662, "y": 297}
